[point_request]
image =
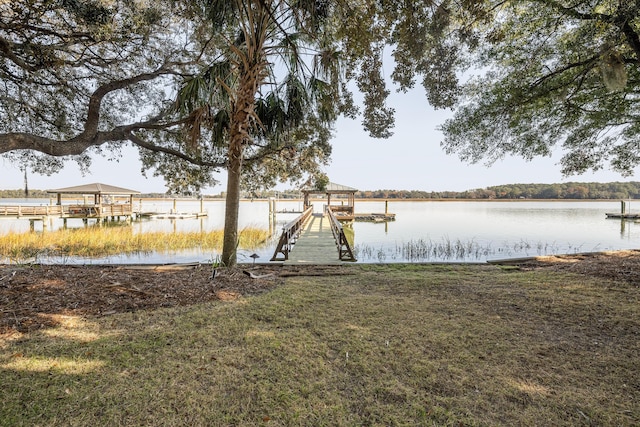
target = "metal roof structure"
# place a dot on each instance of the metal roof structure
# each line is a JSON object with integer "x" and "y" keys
{"x": 331, "y": 188}
{"x": 95, "y": 188}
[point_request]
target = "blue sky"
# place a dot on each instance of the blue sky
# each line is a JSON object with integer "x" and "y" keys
{"x": 411, "y": 159}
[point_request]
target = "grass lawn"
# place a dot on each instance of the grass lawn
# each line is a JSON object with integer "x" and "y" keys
{"x": 388, "y": 345}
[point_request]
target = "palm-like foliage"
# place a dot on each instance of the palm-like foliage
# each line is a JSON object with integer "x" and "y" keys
{"x": 258, "y": 82}
{"x": 268, "y": 97}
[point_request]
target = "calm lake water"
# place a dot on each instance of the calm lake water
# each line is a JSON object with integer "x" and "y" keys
{"x": 424, "y": 231}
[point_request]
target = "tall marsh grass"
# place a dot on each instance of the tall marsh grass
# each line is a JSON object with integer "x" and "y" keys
{"x": 427, "y": 250}
{"x": 105, "y": 241}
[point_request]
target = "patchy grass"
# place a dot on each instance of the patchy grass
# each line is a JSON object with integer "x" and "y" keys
{"x": 384, "y": 345}
{"x": 104, "y": 241}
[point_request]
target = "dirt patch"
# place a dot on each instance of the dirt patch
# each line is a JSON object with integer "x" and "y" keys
{"x": 33, "y": 297}
{"x": 616, "y": 265}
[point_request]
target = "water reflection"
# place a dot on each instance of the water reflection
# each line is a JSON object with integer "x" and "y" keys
{"x": 452, "y": 231}
{"x": 439, "y": 231}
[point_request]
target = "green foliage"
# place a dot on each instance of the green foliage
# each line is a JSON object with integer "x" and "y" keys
{"x": 555, "y": 75}
{"x": 75, "y": 78}
{"x": 320, "y": 182}
{"x": 93, "y": 76}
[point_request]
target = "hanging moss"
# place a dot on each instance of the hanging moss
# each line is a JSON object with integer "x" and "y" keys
{"x": 614, "y": 73}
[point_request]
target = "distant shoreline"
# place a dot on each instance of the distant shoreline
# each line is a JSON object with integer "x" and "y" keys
{"x": 363, "y": 200}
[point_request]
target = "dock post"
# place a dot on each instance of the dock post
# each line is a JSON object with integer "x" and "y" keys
{"x": 623, "y": 207}
{"x": 386, "y": 207}
{"x": 32, "y": 225}
{"x": 272, "y": 225}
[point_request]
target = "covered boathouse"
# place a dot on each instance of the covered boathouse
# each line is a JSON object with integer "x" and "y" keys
{"x": 100, "y": 201}
{"x": 341, "y": 193}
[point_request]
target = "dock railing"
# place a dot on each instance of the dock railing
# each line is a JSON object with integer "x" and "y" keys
{"x": 65, "y": 211}
{"x": 289, "y": 235}
{"x": 345, "y": 253}
{"x": 30, "y": 211}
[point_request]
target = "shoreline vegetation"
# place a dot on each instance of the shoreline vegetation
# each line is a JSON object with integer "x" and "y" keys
{"x": 562, "y": 191}
{"x": 106, "y": 241}
{"x": 116, "y": 239}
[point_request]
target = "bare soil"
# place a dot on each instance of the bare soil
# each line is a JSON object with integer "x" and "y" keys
{"x": 37, "y": 296}
{"x": 621, "y": 266}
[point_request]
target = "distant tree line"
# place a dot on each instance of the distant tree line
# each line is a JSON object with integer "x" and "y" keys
{"x": 568, "y": 190}
{"x": 19, "y": 194}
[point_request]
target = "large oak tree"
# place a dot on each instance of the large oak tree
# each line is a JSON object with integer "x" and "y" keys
{"x": 82, "y": 77}
{"x": 198, "y": 86}
{"x": 552, "y": 75}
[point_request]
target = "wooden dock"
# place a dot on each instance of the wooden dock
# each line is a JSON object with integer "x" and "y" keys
{"x": 374, "y": 217}
{"x": 100, "y": 213}
{"x": 623, "y": 215}
{"x": 177, "y": 215}
{"x": 66, "y": 211}
{"x": 84, "y": 212}
{"x": 315, "y": 244}
{"x": 30, "y": 212}
{"x": 624, "y": 212}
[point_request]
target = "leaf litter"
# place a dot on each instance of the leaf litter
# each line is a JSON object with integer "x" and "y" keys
{"x": 35, "y": 296}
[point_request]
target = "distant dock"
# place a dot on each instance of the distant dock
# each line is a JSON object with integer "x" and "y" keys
{"x": 346, "y": 216}
{"x": 84, "y": 212}
{"x": 177, "y": 215}
{"x": 98, "y": 212}
{"x": 624, "y": 212}
{"x": 623, "y": 215}
{"x": 374, "y": 217}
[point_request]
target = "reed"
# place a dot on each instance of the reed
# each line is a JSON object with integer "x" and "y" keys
{"x": 95, "y": 241}
{"x": 446, "y": 249}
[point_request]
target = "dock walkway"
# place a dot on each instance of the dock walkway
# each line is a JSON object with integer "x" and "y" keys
{"x": 316, "y": 244}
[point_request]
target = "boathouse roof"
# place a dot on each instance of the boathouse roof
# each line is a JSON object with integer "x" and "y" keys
{"x": 331, "y": 188}
{"x": 95, "y": 188}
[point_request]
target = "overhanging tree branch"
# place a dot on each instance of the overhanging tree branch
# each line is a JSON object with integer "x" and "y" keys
{"x": 621, "y": 20}
{"x": 95, "y": 100}
{"x": 573, "y": 13}
{"x": 561, "y": 70}
{"x": 632, "y": 37}
{"x": 90, "y": 136}
{"x": 160, "y": 149}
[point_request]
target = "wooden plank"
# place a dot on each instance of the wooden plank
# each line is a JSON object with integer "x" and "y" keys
{"x": 30, "y": 211}
{"x": 315, "y": 245}
{"x": 290, "y": 233}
